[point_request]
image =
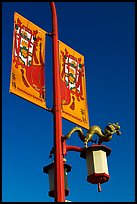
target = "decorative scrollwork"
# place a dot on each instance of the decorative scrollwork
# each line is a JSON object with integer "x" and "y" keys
{"x": 104, "y": 136}
{"x": 75, "y": 129}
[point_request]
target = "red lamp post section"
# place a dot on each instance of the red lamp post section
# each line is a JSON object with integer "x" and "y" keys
{"x": 95, "y": 155}
{"x": 58, "y": 156}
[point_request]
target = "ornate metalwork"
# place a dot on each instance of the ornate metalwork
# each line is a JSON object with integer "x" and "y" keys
{"x": 75, "y": 129}
{"x": 104, "y": 136}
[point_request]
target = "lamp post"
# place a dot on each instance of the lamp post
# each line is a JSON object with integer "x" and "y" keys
{"x": 58, "y": 185}
{"x": 58, "y": 156}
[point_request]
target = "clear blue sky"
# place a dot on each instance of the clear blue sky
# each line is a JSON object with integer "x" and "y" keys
{"x": 104, "y": 32}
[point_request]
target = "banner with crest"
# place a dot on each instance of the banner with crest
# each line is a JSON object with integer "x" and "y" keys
{"x": 28, "y": 58}
{"x": 73, "y": 86}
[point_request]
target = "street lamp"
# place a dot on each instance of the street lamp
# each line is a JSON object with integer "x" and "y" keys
{"x": 95, "y": 155}
{"x": 96, "y": 159}
{"x": 49, "y": 169}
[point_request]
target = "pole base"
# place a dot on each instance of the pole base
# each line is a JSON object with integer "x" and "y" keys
{"x": 51, "y": 193}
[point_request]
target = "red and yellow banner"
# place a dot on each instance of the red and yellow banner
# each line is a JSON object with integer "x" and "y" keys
{"x": 73, "y": 86}
{"x": 28, "y": 58}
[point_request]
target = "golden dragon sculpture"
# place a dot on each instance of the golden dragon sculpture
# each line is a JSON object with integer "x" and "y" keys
{"x": 104, "y": 136}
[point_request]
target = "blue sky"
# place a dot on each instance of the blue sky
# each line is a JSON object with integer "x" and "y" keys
{"x": 104, "y": 32}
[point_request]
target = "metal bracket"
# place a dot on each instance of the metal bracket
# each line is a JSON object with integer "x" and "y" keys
{"x": 50, "y": 34}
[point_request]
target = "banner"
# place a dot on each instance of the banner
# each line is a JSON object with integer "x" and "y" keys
{"x": 28, "y": 58}
{"x": 73, "y": 86}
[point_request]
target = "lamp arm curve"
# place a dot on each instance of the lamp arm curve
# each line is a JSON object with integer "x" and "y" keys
{"x": 104, "y": 136}
{"x": 75, "y": 129}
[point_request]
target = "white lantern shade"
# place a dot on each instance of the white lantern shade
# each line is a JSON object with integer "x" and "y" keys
{"x": 50, "y": 171}
{"x": 96, "y": 159}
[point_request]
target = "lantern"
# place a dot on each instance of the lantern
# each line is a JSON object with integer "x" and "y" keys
{"x": 96, "y": 159}
{"x": 50, "y": 171}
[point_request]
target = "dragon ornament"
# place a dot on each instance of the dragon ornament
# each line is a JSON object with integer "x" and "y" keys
{"x": 104, "y": 136}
